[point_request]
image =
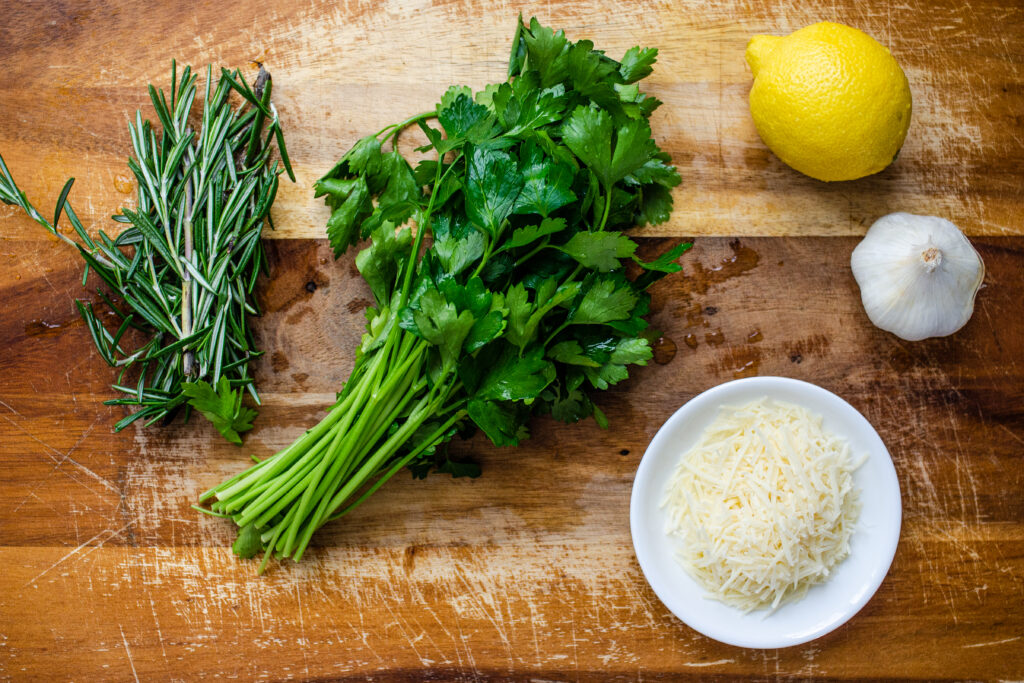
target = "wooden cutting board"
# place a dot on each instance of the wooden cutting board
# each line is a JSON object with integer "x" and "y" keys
{"x": 527, "y": 572}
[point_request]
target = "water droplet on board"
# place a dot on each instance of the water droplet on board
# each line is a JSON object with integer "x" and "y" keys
{"x": 123, "y": 184}
{"x": 691, "y": 340}
{"x": 748, "y": 369}
{"x": 715, "y": 338}
{"x": 742, "y": 260}
{"x": 755, "y": 337}
{"x": 38, "y": 327}
{"x": 664, "y": 350}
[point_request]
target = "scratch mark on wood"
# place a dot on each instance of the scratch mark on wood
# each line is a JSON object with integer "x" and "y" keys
{"x": 32, "y": 494}
{"x": 715, "y": 663}
{"x": 77, "y": 550}
{"x": 128, "y": 652}
{"x": 401, "y": 624}
{"x": 575, "y": 646}
{"x": 159, "y": 633}
{"x": 303, "y": 641}
{"x": 480, "y": 597}
{"x": 533, "y": 629}
{"x": 445, "y": 629}
{"x": 361, "y": 633}
{"x": 1012, "y": 434}
{"x": 66, "y": 456}
{"x": 994, "y": 642}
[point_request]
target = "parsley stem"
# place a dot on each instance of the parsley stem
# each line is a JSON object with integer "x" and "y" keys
{"x": 399, "y": 464}
{"x": 408, "y": 122}
{"x": 533, "y": 252}
{"x": 607, "y": 207}
{"x": 273, "y": 466}
{"x": 422, "y": 226}
{"x": 305, "y": 484}
{"x": 329, "y": 505}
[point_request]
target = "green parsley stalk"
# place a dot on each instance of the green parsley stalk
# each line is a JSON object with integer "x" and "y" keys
{"x": 519, "y": 306}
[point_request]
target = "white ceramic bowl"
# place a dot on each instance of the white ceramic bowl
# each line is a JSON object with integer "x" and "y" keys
{"x": 826, "y": 606}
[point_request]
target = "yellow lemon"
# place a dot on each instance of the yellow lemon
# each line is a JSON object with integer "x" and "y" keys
{"x": 829, "y": 100}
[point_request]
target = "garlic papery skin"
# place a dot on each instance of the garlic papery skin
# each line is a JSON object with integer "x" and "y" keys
{"x": 918, "y": 275}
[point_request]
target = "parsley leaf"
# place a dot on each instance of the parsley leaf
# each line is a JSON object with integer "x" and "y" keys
{"x": 503, "y": 422}
{"x": 571, "y": 352}
{"x": 350, "y": 199}
{"x": 248, "y": 544}
{"x": 493, "y": 184}
{"x": 379, "y": 263}
{"x": 655, "y": 170}
{"x": 524, "y": 107}
{"x": 667, "y": 262}
{"x": 516, "y": 377}
{"x": 573, "y": 407}
{"x": 632, "y": 350}
{"x": 604, "y": 301}
{"x": 628, "y": 351}
{"x": 363, "y": 159}
{"x": 439, "y": 322}
{"x": 464, "y": 119}
{"x": 401, "y": 185}
{"x": 525, "y": 317}
{"x": 221, "y": 406}
{"x": 519, "y": 310}
{"x": 606, "y": 375}
{"x": 594, "y": 75}
{"x": 599, "y": 250}
{"x": 655, "y": 205}
{"x": 529, "y": 234}
{"x": 633, "y": 148}
{"x": 547, "y": 184}
{"x": 546, "y": 52}
{"x": 589, "y": 134}
{"x": 456, "y": 244}
{"x": 638, "y": 63}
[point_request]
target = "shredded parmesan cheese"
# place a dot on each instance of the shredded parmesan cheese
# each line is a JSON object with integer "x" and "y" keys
{"x": 763, "y": 505}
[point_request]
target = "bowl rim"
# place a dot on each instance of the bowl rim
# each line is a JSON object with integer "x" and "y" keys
{"x": 887, "y": 538}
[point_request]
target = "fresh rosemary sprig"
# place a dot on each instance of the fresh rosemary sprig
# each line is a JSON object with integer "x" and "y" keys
{"x": 182, "y": 273}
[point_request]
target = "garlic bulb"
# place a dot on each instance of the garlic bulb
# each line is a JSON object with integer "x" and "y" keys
{"x": 918, "y": 275}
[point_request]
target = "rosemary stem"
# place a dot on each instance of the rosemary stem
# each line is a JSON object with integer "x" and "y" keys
{"x": 186, "y": 285}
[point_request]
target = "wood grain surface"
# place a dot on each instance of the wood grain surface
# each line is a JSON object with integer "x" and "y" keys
{"x": 527, "y": 572}
{"x": 75, "y": 71}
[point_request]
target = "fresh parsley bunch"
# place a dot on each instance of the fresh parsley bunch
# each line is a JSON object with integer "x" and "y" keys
{"x": 520, "y": 306}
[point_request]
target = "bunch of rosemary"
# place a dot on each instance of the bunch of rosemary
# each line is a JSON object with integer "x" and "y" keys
{"x": 182, "y": 273}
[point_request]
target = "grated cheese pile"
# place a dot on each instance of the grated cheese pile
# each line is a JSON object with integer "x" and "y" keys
{"x": 763, "y": 504}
